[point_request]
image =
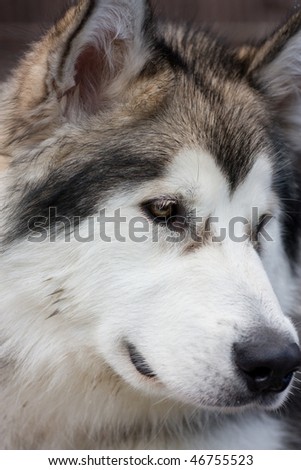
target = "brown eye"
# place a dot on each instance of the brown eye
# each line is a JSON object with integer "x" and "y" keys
{"x": 161, "y": 210}
{"x": 166, "y": 212}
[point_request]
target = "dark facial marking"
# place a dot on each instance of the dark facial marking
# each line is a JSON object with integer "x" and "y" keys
{"x": 78, "y": 195}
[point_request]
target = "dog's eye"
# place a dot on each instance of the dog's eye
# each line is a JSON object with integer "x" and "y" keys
{"x": 163, "y": 210}
{"x": 167, "y": 212}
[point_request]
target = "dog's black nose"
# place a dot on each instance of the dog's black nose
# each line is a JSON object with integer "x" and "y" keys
{"x": 267, "y": 364}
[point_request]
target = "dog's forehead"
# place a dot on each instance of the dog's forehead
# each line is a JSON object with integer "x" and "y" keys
{"x": 212, "y": 103}
{"x": 195, "y": 175}
{"x": 227, "y": 120}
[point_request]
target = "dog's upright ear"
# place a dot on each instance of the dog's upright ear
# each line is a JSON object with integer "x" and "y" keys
{"x": 276, "y": 67}
{"x": 89, "y": 55}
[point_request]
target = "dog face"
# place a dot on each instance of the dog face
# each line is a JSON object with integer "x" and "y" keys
{"x": 113, "y": 116}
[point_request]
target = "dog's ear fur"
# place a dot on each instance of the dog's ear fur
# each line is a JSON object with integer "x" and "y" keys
{"x": 89, "y": 55}
{"x": 276, "y": 67}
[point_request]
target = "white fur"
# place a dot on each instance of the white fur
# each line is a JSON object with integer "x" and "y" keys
{"x": 68, "y": 381}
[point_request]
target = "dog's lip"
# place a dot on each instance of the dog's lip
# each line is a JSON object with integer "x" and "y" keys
{"x": 266, "y": 400}
{"x": 242, "y": 402}
{"x": 139, "y": 361}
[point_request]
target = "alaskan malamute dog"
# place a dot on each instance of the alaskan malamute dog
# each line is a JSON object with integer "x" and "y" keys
{"x": 149, "y": 236}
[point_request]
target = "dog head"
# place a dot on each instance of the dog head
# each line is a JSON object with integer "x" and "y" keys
{"x": 174, "y": 152}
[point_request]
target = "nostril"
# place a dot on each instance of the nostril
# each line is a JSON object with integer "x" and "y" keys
{"x": 260, "y": 373}
{"x": 267, "y": 365}
{"x": 262, "y": 378}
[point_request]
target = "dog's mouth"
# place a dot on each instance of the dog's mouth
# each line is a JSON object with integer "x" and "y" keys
{"x": 139, "y": 362}
{"x": 235, "y": 401}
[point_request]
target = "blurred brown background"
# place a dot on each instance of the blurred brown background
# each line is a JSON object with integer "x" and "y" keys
{"x": 22, "y": 21}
